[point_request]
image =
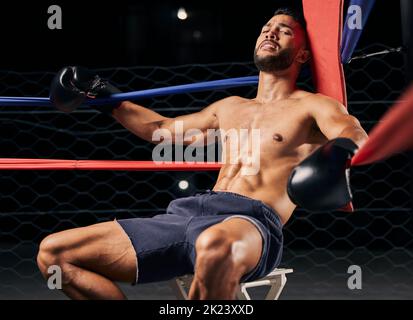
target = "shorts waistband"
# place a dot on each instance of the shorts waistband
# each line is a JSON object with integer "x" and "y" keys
{"x": 271, "y": 215}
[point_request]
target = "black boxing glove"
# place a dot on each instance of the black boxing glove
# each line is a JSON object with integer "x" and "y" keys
{"x": 321, "y": 181}
{"x": 72, "y": 85}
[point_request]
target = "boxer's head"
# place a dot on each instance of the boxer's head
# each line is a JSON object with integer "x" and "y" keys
{"x": 282, "y": 42}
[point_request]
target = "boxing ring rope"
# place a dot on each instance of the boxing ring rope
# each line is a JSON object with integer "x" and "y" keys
{"x": 59, "y": 164}
{"x": 398, "y": 117}
{"x": 395, "y": 126}
{"x": 117, "y": 165}
{"x": 142, "y": 94}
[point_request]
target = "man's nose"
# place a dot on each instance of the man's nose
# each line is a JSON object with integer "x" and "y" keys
{"x": 271, "y": 36}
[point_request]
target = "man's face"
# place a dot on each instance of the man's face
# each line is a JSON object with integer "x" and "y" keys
{"x": 280, "y": 43}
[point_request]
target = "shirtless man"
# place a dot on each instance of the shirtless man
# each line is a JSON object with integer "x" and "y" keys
{"x": 224, "y": 236}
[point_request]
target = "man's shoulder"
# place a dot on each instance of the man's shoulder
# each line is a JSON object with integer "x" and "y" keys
{"x": 302, "y": 94}
{"x": 231, "y": 101}
{"x": 321, "y": 98}
{"x": 320, "y": 102}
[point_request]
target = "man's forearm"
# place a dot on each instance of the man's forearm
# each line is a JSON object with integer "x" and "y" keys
{"x": 138, "y": 119}
{"x": 357, "y": 134}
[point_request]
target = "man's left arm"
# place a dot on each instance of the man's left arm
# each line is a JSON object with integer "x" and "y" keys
{"x": 321, "y": 181}
{"x": 334, "y": 121}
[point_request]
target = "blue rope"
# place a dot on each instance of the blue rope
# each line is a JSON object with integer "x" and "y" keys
{"x": 134, "y": 95}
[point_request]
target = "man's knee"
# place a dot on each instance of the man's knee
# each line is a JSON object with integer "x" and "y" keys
{"x": 214, "y": 249}
{"x": 213, "y": 238}
{"x": 51, "y": 252}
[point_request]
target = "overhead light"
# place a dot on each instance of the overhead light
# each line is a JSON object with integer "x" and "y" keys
{"x": 182, "y": 14}
{"x": 183, "y": 184}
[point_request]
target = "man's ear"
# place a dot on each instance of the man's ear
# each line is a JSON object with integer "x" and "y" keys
{"x": 303, "y": 56}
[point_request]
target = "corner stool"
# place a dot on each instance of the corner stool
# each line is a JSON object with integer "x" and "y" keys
{"x": 276, "y": 280}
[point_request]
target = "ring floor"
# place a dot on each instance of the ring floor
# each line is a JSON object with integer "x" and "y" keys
{"x": 315, "y": 281}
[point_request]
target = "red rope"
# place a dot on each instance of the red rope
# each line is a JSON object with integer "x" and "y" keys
{"x": 121, "y": 165}
{"x": 393, "y": 134}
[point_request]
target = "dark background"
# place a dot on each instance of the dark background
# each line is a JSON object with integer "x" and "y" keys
{"x": 143, "y": 36}
{"x": 125, "y": 33}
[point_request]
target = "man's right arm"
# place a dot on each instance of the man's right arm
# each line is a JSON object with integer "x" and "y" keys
{"x": 143, "y": 122}
{"x": 72, "y": 85}
{"x": 139, "y": 120}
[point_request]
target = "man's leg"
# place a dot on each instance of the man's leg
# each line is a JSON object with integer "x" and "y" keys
{"x": 225, "y": 252}
{"x": 90, "y": 258}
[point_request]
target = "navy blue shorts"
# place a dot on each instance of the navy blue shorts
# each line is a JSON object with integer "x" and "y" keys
{"x": 165, "y": 244}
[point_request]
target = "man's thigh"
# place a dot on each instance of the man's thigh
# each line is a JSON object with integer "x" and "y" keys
{"x": 103, "y": 248}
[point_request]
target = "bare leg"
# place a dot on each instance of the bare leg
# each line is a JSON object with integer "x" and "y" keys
{"x": 91, "y": 259}
{"x": 225, "y": 252}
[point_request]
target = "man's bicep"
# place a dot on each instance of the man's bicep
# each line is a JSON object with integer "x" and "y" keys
{"x": 332, "y": 117}
{"x": 201, "y": 120}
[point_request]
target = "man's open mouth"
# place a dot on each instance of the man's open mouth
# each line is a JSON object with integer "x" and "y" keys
{"x": 269, "y": 45}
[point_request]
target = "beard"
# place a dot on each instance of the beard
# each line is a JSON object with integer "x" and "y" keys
{"x": 277, "y": 62}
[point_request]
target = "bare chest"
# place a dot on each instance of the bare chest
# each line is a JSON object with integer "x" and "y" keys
{"x": 281, "y": 129}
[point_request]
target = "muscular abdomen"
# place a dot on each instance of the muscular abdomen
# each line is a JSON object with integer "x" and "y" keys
{"x": 268, "y": 185}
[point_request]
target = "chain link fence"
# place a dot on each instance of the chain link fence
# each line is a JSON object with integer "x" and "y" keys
{"x": 318, "y": 246}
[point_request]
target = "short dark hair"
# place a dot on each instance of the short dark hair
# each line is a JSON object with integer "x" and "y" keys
{"x": 295, "y": 14}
